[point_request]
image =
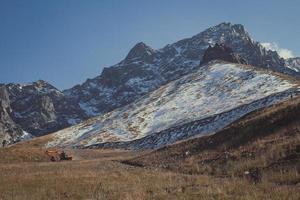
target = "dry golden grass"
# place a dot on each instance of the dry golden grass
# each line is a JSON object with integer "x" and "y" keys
{"x": 99, "y": 178}
{"x": 214, "y": 167}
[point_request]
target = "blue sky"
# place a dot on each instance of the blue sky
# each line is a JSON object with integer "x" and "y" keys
{"x": 67, "y": 41}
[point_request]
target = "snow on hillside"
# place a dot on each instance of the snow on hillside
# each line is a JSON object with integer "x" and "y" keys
{"x": 216, "y": 88}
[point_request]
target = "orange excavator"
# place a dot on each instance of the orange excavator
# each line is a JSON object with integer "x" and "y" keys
{"x": 56, "y": 155}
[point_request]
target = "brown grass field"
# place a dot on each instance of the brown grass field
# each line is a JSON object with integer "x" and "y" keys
{"x": 103, "y": 177}
{"x": 211, "y": 167}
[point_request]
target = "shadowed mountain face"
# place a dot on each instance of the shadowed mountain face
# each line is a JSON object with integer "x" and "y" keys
{"x": 221, "y": 52}
{"x": 40, "y": 108}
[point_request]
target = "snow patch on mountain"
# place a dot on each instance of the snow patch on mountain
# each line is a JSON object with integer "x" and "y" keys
{"x": 197, "y": 128}
{"x": 26, "y": 136}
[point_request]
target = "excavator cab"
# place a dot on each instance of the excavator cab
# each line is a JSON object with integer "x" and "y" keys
{"x": 56, "y": 155}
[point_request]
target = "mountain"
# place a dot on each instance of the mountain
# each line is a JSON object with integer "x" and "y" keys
{"x": 39, "y": 108}
{"x": 199, "y": 103}
{"x": 145, "y": 69}
{"x": 293, "y": 63}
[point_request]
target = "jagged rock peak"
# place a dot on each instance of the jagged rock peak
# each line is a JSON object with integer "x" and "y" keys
{"x": 140, "y": 51}
{"x": 43, "y": 84}
{"x": 227, "y": 25}
{"x": 221, "y": 52}
{"x": 36, "y": 84}
{"x": 226, "y": 28}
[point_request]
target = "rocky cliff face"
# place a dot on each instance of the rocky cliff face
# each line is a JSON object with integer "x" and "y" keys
{"x": 9, "y": 130}
{"x": 39, "y": 108}
{"x": 221, "y": 52}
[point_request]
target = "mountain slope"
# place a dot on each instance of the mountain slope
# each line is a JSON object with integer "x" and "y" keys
{"x": 145, "y": 69}
{"x": 206, "y": 101}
